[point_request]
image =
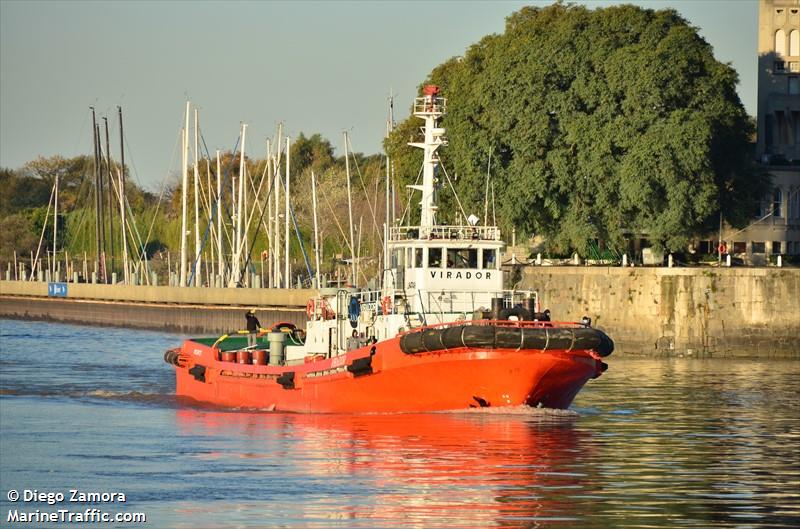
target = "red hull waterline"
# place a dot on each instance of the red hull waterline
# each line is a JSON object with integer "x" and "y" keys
{"x": 381, "y": 378}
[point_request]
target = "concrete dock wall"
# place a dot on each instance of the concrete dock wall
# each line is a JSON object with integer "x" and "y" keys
{"x": 689, "y": 311}
{"x": 188, "y": 310}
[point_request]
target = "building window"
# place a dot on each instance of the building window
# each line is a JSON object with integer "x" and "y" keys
{"x": 794, "y": 85}
{"x": 794, "y": 67}
{"x": 783, "y": 128}
{"x": 777, "y": 202}
{"x": 776, "y": 247}
{"x": 794, "y": 43}
{"x": 796, "y": 120}
{"x": 739, "y": 247}
{"x": 779, "y": 67}
{"x": 769, "y": 133}
{"x": 759, "y": 247}
{"x": 780, "y": 42}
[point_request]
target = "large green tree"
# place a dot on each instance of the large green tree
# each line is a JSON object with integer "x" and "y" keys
{"x": 602, "y": 124}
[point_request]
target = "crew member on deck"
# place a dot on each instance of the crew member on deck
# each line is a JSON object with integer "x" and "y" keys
{"x": 252, "y": 327}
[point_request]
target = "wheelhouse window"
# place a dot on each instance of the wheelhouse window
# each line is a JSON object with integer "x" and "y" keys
{"x": 739, "y": 247}
{"x": 776, "y": 247}
{"x": 435, "y": 257}
{"x": 759, "y": 247}
{"x": 462, "y": 258}
{"x": 489, "y": 258}
{"x": 417, "y": 257}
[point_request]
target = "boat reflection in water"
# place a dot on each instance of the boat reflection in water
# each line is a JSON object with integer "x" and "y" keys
{"x": 488, "y": 467}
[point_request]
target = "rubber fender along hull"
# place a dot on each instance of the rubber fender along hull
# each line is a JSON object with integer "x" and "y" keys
{"x": 507, "y": 337}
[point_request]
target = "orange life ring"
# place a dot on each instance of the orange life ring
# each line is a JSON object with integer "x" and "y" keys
{"x": 310, "y": 308}
{"x": 722, "y": 248}
{"x": 386, "y": 305}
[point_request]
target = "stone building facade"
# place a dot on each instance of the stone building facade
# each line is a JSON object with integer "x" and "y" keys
{"x": 776, "y": 226}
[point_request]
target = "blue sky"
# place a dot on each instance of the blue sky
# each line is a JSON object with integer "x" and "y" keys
{"x": 317, "y": 66}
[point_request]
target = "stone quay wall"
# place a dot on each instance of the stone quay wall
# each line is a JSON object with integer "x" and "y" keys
{"x": 186, "y": 310}
{"x": 679, "y": 311}
{"x": 647, "y": 311}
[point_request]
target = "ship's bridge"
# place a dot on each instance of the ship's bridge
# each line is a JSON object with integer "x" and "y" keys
{"x": 459, "y": 263}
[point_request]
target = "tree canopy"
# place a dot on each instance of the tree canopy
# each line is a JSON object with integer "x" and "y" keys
{"x": 601, "y": 124}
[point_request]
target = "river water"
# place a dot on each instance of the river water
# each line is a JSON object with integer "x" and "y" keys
{"x": 651, "y": 443}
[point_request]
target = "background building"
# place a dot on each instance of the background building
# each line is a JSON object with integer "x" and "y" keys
{"x": 776, "y": 227}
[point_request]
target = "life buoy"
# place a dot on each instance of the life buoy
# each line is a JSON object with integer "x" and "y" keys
{"x": 722, "y": 248}
{"x": 310, "y": 308}
{"x": 386, "y": 305}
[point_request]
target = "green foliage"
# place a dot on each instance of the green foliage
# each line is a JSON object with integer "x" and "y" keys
{"x": 602, "y": 123}
{"x": 19, "y": 192}
{"x": 17, "y": 234}
{"x": 314, "y": 153}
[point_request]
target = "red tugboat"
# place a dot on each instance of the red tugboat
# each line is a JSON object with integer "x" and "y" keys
{"x": 441, "y": 334}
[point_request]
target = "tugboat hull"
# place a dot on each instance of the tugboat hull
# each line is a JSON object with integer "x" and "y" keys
{"x": 381, "y": 378}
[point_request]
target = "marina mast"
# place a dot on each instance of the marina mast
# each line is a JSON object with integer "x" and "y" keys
{"x": 184, "y": 183}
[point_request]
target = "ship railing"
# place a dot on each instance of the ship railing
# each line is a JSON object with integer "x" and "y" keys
{"x": 500, "y": 323}
{"x": 466, "y": 302}
{"x": 464, "y": 233}
{"x": 439, "y": 302}
{"x": 428, "y": 105}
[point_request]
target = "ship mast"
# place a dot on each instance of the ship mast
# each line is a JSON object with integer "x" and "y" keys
{"x": 430, "y": 108}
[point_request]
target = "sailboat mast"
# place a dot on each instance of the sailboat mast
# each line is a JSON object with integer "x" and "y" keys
{"x": 240, "y": 204}
{"x": 316, "y": 228}
{"x": 110, "y": 197}
{"x": 197, "y": 261}
{"x": 101, "y": 212}
{"x": 220, "y": 263}
{"x": 286, "y": 272}
{"x": 55, "y": 227}
{"x": 389, "y": 129}
{"x": 96, "y": 191}
{"x": 353, "y": 277}
{"x": 184, "y": 184}
{"x": 122, "y": 198}
{"x": 270, "y": 238}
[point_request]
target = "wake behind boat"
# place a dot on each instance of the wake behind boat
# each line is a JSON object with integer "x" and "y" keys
{"x": 441, "y": 333}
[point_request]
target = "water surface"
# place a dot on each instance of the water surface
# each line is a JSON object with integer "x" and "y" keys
{"x": 651, "y": 443}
